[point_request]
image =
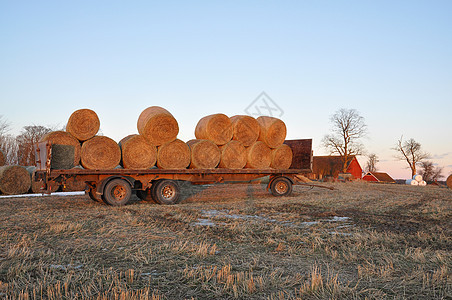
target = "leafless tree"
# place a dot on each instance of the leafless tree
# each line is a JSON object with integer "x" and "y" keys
{"x": 348, "y": 128}
{"x": 372, "y": 160}
{"x": 430, "y": 172}
{"x": 29, "y": 136}
{"x": 411, "y": 152}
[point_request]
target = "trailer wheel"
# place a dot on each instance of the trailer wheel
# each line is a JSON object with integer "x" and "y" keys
{"x": 117, "y": 192}
{"x": 92, "y": 194}
{"x": 166, "y": 192}
{"x": 281, "y": 186}
{"x": 147, "y": 194}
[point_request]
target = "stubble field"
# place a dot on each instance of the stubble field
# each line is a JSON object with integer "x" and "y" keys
{"x": 357, "y": 241}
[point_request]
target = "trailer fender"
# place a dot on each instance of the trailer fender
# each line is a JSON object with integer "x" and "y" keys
{"x": 101, "y": 185}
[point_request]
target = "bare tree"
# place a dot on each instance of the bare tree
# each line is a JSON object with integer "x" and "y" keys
{"x": 29, "y": 136}
{"x": 430, "y": 172}
{"x": 348, "y": 128}
{"x": 411, "y": 152}
{"x": 372, "y": 160}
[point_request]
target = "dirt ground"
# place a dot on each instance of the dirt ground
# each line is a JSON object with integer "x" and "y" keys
{"x": 358, "y": 241}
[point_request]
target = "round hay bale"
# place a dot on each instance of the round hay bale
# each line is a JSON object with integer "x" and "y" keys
{"x": 173, "y": 155}
{"x": 157, "y": 125}
{"x": 281, "y": 157}
{"x": 418, "y": 178}
{"x": 14, "y": 180}
{"x": 64, "y": 138}
{"x": 36, "y": 186}
{"x": 137, "y": 152}
{"x": 272, "y": 131}
{"x": 83, "y": 124}
{"x": 449, "y": 181}
{"x": 100, "y": 153}
{"x": 245, "y": 129}
{"x": 216, "y": 128}
{"x": 204, "y": 154}
{"x": 2, "y": 158}
{"x": 411, "y": 182}
{"x": 233, "y": 155}
{"x": 259, "y": 156}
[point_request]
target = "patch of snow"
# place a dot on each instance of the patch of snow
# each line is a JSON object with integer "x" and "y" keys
{"x": 45, "y": 195}
{"x": 204, "y": 222}
{"x": 338, "y": 219}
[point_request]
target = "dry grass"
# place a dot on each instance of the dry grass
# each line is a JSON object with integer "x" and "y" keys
{"x": 359, "y": 241}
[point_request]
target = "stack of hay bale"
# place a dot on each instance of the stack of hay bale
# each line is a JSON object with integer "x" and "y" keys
{"x": 416, "y": 180}
{"x": 234, "y": 143}
{"x": 245, "y": 142}
{"x": 221, "y": 142}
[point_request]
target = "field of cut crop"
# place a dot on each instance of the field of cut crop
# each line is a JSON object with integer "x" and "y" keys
{"x": 358, "y": 241}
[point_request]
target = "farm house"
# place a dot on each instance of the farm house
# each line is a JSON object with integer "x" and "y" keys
{"x": 378, "y": 177}
{"x": 331, "y": 166}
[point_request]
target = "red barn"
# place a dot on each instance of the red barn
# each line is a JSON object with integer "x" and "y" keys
{"x": 323, "y": 166}
{"x": 378, "y": 177}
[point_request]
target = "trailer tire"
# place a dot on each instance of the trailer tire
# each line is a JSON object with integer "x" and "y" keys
{"x": 281, "y": 186}
{"x": 117, "y": 192}
{"x": 147, "y": 194}
{"x": 166, "y": 192}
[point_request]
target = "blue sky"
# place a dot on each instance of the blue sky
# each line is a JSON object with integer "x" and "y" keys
{"x": 390, "y": 60}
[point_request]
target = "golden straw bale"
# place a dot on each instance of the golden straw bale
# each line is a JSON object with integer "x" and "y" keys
{"x": 281, "y": 157}
{"x": 173, "y": 155}
{"x": 259, "y": 156}
{"x": 449, "y": 181}
{"x": 157, "y": 125}
{"x": 245, "y": 129}
{"x": 2, "y": 158}
{"x": 273, "y": 131}
{"x": 14, "y": 180}
{"x": 233, "y": 155}
{"x": 216, "y": 128}
{"x": 137, "y": 152}
{"x": 64, "y": 138}
{"x": 100, "y": 153}
{"x": 204, "y": 154}
{"x": 83, "y": 124}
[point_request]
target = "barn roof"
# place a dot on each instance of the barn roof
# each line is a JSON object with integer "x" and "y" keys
{"x": 381, "y": 176}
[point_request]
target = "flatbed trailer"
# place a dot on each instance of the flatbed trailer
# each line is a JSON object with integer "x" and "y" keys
{"x": 115, "y": 186}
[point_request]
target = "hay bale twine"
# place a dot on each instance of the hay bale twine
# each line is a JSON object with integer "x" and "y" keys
{"x": 204, "y": 154}
{"x": 83, "y": 124}
{"x": 157, "y": 125}
{"x": 259, "y": 156}
{"x": 137, "y": 152}
{"x": 2, "y": 158}
{"x": 173, "y": 155}
{"x": 281, "y": 157}
{"x": 233, "y": 155}
{"x": 14, "y": 180}
{"x": 272, "y": 131}
{"x": 64, "y": 138}
{"x": 245, "y": 129}
{"x": 101, "y": 153}
{"x": 216, "y": 128}
{"x": 449, "y": 181}
{"x": 36, "y": 186}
